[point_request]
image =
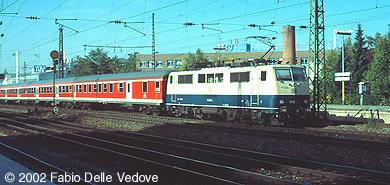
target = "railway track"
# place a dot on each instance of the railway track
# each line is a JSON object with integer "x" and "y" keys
{"x": 147, "y": 119}
{"x": 44, "y": 167}
{"x": 242, "y": 158}
{"x": 268, "y": 132}
{"x": 211, "y": 172}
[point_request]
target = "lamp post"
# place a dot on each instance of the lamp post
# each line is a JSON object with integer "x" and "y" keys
{"x": 347, "y": 32}
{"x": 219, "y": 51}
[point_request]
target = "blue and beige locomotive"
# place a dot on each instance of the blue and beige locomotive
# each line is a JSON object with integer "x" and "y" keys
{"x": 266, "y": 94}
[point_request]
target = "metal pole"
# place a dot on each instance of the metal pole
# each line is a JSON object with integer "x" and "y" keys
{"x": 17, "y": 66}
{"x": 55, "y": 110}
{"x": 61, "y": 52}
{"x": 153, "y": 44}
{"x": 342, "y": 70}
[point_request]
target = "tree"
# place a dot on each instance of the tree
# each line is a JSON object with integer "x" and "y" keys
{"x": 101, "y": 59}
{"x": 130, "y": 65}
{"x": 357, "y": 65}
{"x": 378, "y": 73}
{"x": 333, "y": 65}
{"x": 83, "y": 67}
{"x": 194, "y": 61}
{"x": 98, "y": 62}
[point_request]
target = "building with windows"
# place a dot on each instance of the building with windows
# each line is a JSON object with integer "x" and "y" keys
{"x": 173, "y": 61}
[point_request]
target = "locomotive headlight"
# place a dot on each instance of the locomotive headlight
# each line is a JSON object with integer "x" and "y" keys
{"x": 281, "y": 101}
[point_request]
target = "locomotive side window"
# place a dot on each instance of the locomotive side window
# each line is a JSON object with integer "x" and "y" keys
{"x": 283, "y": 74}
{"x": 263, "y": 76}
{"x": 219, "y": 78}
{"x": 144, "y": 87}
{"x": 185, "y": 79}
{"x": 157, "y": 89}
{"x": 239, "y": 77}
{"x": 210, "y": 78}
{"x": 201, "y": 78}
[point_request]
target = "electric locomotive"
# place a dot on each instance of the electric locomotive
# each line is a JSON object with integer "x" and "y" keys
{"x": 266, "y": 94}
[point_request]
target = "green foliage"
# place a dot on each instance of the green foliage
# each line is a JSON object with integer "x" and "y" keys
{"x": 371, "y": 123}
{"x": 378, "y": 73}
{"x": 368, "y": 59}
{"x": 98, "y": 62}
{"x": 193, "y": 61}
{"x": 357, "y": 64}
{"x": 333, "y": 65}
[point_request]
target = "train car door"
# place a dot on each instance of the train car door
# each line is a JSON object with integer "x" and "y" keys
{"x": 128, "y": 91}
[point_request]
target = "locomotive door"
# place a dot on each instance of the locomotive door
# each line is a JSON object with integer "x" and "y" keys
{"x": 128, "y": 91}
{"x": 173, "y": 89}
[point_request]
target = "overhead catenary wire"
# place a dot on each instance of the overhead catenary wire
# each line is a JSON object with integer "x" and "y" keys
{"x": 224, "y": 21}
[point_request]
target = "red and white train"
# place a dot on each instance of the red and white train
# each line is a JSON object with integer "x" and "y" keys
{"x": 139, "y": 89}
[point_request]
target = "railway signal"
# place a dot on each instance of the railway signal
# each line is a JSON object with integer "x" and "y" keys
{"x": 54, "y": 55}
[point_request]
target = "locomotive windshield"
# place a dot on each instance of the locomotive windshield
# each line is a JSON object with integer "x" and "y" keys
{"x": 290, "y": 74}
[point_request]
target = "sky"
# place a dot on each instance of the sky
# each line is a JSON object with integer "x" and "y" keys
{"x": 30, "y": 28}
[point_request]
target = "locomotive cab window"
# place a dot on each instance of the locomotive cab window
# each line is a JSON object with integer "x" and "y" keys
{"x": 299, "y": 74}
{"x": 283, "y": 74}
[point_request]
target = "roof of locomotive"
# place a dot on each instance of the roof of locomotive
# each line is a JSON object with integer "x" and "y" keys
{"x": 244, "y": 68}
